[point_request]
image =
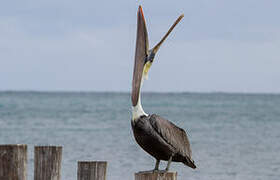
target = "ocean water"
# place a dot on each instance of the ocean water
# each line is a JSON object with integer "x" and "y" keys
{"x": 233, "y": 136}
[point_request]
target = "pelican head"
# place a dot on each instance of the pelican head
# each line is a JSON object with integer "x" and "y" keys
{"x": 143, "y": 56}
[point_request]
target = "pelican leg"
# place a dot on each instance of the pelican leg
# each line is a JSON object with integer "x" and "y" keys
{"x": 157, "y": 165}
{"x": 168, "y": 163}
{"x": 154, "y": 170}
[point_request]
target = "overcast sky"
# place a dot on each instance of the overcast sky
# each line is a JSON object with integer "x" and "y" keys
{"x": 228, "y": 46}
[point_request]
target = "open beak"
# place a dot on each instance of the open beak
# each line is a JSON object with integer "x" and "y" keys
{"x": 143, "y": 56}
{"x": 155, "y": 49}
{"x": 141, "y": 53}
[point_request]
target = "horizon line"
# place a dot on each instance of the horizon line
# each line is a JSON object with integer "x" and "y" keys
{"x": 128, "y": 92}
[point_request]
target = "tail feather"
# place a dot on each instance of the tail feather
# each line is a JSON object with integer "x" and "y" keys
{"x": 189, "y": 162}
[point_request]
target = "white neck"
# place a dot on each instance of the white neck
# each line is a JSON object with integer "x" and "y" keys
{"x": 137, "y": 111}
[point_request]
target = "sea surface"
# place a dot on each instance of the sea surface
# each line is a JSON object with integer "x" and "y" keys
{"x": 233, "y": 136}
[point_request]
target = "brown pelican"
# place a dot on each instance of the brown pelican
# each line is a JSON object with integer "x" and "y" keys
{"x": 156, "y": 135}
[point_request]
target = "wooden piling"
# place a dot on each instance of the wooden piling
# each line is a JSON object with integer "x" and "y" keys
{"x": 13, "y": 162}
{"x": 92, "y": 170}
{"x": 156, "y": 176}
{"x": 47, "y": 165}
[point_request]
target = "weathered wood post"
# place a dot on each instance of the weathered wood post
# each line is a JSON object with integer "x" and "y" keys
{"x": 92, "y": 170}
{"x": 13, "y": 162}
{"x": 156, "y": 176}
{"x": 47, "y": 165}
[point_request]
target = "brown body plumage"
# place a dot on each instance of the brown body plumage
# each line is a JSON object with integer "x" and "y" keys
{"x": 162, "y": 139}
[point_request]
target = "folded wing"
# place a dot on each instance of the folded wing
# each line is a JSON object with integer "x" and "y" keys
{"x": 173, "y": 135}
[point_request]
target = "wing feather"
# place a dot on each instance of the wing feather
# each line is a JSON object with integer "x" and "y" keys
{"x": 172, "y": 134}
